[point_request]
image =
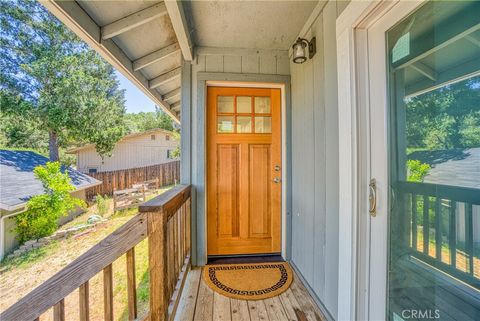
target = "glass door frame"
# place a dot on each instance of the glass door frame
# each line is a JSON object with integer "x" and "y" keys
{"x": 373, "y": 156}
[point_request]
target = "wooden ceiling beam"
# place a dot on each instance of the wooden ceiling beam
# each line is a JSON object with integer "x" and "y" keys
{"x": 155, "y": 56}
{"x": 175, "y": 106}
{"x": 133, "y": 21}
{"x": 164, "y": 78}
{"x": 424, "y": 70}
{"x": 172, "y": 94}
{"x": 180, "y": 26}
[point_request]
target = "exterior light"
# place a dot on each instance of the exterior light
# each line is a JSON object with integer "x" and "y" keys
{"x": 300, "y": 50}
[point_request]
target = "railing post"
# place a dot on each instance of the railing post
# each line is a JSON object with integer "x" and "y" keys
{"x": 157, "y": 242}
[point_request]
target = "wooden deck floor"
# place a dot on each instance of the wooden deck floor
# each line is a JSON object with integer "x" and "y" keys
{"x": 200, "y": 303}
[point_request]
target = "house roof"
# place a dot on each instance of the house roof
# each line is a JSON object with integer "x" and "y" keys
{"x": 18, "y": 183}
{"x": 459, "y": 167}
{"x": 129, "y": 136}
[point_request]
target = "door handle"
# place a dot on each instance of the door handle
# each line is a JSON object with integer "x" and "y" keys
{"x": 277, "y": 180}
{"x": 372, "y": 197}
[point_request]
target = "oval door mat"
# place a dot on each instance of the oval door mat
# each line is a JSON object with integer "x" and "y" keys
{"x": 249, "y": 281}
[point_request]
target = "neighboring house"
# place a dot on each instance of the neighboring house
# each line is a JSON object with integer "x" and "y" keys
{"x": 151, "y": 147}
{"x": 18, "y": 184}
{"x": 293, "y": 124}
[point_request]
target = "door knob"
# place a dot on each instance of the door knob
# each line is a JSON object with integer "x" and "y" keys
{"x": 277, "y": 180}
{"x": 277, "y": 168}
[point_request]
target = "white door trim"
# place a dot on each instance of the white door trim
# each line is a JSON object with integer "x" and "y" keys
{"x": 283, "y": 113}
{"x": 346, "y": 24}
{"x": 354, "y": 127}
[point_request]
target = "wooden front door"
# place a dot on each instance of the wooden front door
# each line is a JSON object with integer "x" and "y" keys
{"x": 243, "y": 170}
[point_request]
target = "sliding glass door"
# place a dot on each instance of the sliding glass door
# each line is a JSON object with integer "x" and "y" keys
{"x": 433, "y": 112}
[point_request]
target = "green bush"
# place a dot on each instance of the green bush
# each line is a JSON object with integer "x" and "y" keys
{"x": 43, "y": 211}
{"x": 102, "y": 204}
{"x": 417, "y": 170}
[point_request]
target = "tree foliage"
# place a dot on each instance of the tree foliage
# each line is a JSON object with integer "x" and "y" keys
{"x": 144, "y": 121}
{"x": 417, "y": 170}
{"x": 43, "y": 211}
{"x": 50, "y": 76}
{"x": 445, "y": 118}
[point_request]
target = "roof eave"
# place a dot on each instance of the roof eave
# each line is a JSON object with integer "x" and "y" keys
{"x": 76, "y": 19}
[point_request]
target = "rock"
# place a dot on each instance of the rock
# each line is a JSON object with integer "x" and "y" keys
{"x": 18, "y": 252}
{"x": 60, "y": 234}
{"x": 57, "y": 236}
{"x": 25, "y": 247}
{"x": 37, "y": 245}
{"x": 94, "y": 219}
{"x": 14, "y": 255}
{"x": 27, "y": 243}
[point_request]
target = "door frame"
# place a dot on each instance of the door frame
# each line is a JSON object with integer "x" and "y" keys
{"x": 199, "y": 203}
{"x": 233, "y": 84}
{"x": 354, "y": 99}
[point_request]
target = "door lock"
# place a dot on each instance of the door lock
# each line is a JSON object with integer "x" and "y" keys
{"x": 372, "y": 197}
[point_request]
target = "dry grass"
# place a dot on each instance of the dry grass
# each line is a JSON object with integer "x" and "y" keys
{"x": 21, "y": 275}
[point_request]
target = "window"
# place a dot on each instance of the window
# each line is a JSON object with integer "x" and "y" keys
{"x": 152, "y": 137}
{"x": 92, "y": 170}
{"x": 167, "y": 137}
{"x": 169, "y": 154}
{"x": 244, "y": 115}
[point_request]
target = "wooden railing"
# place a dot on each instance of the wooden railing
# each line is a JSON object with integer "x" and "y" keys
{"x": 165, "y": 221}
{"x": 422, "y": 202}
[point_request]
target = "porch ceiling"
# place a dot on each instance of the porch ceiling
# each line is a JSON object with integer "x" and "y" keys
{"x": 138, "y": 38}
{"x": 247, "y": 24}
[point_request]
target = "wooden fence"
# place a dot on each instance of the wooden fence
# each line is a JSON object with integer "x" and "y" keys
{"x": 165, "y": 222}
{"x": 167, "y": 174}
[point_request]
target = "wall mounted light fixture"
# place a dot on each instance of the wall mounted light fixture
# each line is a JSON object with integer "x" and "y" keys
{"x": 300, "y": 52}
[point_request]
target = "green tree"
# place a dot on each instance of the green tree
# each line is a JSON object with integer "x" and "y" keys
{"x": 43, "y": 211}
{"x": 144, "y": 121}
{"x": 49, "y": 75}
{"x": 445, "y": 118}
{"x": 19, "y": 132}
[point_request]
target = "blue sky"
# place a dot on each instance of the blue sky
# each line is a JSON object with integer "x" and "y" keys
{"x": 135, "y": 100}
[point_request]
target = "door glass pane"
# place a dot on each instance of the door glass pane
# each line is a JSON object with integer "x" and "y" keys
{"x": 262, "y": 105}
{"x": 244, "y": 104}
{"x": 434, "y": 224}
{"x": 244, "y": 124}
{"x": 225, "y": 104}
{"x": 225, "y": 124}
{"x": 263, "y": 124}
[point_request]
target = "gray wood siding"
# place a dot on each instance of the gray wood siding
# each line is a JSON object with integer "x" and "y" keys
{"x": 241, "y": 61}
{"x": 315, "y": 162}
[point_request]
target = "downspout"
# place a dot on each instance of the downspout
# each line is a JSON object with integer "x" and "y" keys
{"x": 2, "y": 231}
